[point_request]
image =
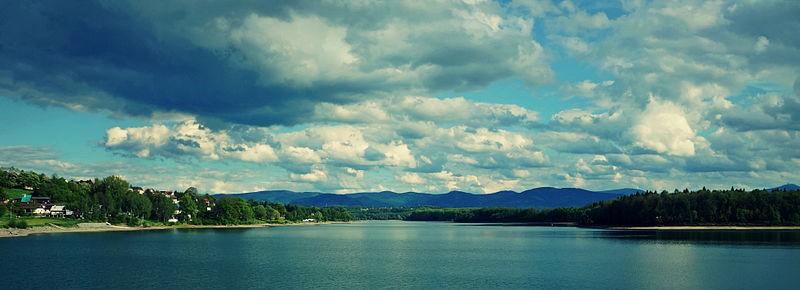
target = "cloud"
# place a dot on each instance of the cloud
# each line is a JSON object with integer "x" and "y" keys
{"x": 663, "y": 128}
{"x": 348, "y": 96}
{"x": 187, "y": 138}
{"x": 41, "y": 159}
{"x": 257, "y": 64}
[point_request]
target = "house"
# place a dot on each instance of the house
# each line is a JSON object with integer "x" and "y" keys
{"x": 208, "y": 204}
{"x": 60, "y": 211}
{"x": 309, "y": 220}
{"x": 29, "y": 204}
{"x": 40, "y": 211}
{"x": 88, "y": 182}
{"x": 40, "y": 199}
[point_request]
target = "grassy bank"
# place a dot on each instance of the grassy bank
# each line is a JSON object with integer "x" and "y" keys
{"x": 42, "y": 221}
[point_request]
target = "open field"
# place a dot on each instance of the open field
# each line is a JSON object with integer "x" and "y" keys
{"x": 13, "y": 193}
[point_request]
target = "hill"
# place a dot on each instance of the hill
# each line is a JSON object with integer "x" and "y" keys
{"x": 543, "y": 197}
{"x": 786, "y": 187}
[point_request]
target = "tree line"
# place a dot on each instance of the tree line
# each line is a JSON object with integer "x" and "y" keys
{"x": 650, "y": 208}
{"x": 112, "y": 199}
{"x": 498, "y": 215}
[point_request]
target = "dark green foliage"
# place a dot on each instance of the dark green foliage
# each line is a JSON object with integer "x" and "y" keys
{"x": 383, "y": 213}
{"x": 163, "y": 207}
{"x": 496, "y": 214}
{"x": 232, "y": 210}
{"x": 703, "y": 207}
{"x": 17, "y": 223}
{"x": 188, "y": 206}
{"x": 112, "y": 199}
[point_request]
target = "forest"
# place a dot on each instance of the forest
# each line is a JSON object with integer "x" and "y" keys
{"x": 113, "y": 199}
{"x": 702, "y": 207}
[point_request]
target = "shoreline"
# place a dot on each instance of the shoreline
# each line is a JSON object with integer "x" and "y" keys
{"x": 702, "y": 228}
{"x": 105, "y": 227}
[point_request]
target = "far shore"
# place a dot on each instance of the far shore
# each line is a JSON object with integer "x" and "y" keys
{"x": 106, "y": 227}
{"x": 708, "y": 228}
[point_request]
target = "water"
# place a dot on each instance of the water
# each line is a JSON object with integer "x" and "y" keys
{"x": 414, "y": 255}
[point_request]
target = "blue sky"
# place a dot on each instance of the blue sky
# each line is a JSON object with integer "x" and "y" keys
{"x": 433, "y": 96}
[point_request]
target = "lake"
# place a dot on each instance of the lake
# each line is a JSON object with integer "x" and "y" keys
{"x": 385, "y": 254}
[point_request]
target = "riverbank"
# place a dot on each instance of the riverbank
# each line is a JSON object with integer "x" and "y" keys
{"x": 106, "y": 227}
{"x": 708, "y": 228}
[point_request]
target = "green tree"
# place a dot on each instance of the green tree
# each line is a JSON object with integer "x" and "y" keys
{"x": 232, "y": 210}
{"x": 188, "y": 206}
{"x": 141, "y": 206}
{"x": 163, "y": 208}
{"x": 260, "y": 212}
{"x": 108, "y": 192}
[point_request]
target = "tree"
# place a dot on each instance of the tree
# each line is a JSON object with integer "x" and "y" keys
{"x": 188, "y": 206}
{"x": 163, "y": 208}
{"x": 233, "y": 210}
{"x": 191, "y": 191}
{"x": 108, "y": 192}
{"x": 260, "y": 212}
{"x": 3, "y": 195}
{"x": 141, "y": 206}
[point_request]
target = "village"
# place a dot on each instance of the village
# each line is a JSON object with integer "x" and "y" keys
{"x": 42, "y": 206}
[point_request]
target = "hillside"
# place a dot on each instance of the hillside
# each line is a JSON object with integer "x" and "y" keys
{"x": 543, "y": 197}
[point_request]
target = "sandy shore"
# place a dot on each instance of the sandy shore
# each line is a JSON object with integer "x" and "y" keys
{"x": 709, "y": 228}
{"x": 105, "y": 227}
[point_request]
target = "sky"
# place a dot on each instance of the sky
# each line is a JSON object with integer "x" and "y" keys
{"x": 425, "y": 96}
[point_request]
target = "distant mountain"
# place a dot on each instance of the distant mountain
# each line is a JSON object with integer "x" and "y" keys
{"x": 543, "y": 197}
{"x": 786, "y": 187}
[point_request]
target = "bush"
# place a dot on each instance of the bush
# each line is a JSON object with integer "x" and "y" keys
{"x": 17, "y": 223}
{"x": 134, "y": 222}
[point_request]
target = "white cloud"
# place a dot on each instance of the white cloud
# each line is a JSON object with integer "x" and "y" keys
{"x": 258, "y": 153}
{"x": 663, "y": 128}
{"x": 314, "y": 176}
{"x": 411, "y": 178}
{"x": 485, "y": 140}
{"x": 303, "y": 155}
{"x": 138, "y": 139}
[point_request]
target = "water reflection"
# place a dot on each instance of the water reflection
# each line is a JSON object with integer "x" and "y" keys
{"x": 749, "y": 238}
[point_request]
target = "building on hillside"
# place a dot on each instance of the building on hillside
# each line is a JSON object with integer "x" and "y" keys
{"x": 29, "y": 204}
{"x": 87, "y": 182}
{"x": 60, "y": 211}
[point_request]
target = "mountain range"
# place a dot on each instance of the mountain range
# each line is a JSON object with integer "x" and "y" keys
{"x": 543, "y": 197}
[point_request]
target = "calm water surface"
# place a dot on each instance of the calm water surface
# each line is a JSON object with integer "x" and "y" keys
{"x": 402, "y": 255}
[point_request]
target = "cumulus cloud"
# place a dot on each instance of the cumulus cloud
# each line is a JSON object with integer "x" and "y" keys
{"x": 257, "y": 64}
{"x": 663, "y": 128}
{"x": 343, "y": 96}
